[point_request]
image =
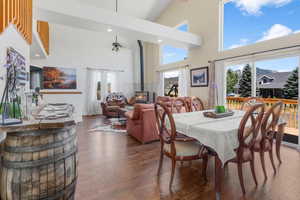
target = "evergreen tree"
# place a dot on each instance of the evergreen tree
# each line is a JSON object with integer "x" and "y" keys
{"x": 290, "y": 89}
{"x": 245, "y": 82}
{"x": 232, "y": 80}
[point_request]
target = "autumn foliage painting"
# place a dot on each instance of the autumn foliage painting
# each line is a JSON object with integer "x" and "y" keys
{"x": 59, "y": 78}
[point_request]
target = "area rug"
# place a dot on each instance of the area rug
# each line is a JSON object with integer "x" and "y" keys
{"x": 112, "y": 126}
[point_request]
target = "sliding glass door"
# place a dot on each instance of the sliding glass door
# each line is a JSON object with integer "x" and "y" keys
{"x": 271, "y": 80}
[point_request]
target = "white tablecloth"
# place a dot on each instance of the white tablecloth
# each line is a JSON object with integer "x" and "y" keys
{"x": 218, "y": 134}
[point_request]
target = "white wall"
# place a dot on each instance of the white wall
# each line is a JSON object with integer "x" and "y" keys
{"x": 203, "y": 19}
{"x": 76, "y": 48}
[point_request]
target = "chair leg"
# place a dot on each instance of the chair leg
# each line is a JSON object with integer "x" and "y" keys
{"x": 160, "y": 162}
{"x": 262, "y": 159}
{"x": 172, "y": 172}
{"x": 272, "y": 160}
{"x": 204, "y": 168}
{"x": 240, "y": 171}
{"x": 278, "y": 153}
{"x": 253, "y": 169}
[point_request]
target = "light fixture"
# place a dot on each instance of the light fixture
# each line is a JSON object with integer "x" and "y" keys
{"x": 159, "y": 41}
{"x": 109, "y": 30}
{"x": 37, "y": 55}
{"x": 116, "y": 45}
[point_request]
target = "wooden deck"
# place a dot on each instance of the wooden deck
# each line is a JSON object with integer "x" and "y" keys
{"x": 117, "y": 167}
{"x": 290, "y": 110}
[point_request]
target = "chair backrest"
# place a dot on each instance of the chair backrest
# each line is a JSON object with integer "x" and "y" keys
{"x": 250, "y": 102}
{"x": 179, "y": 105}
{"x": 197, "y": 104}
{"x": 249, "y": 126}
{"x": 270, "y": 120}
{"x": 165, "y": 123}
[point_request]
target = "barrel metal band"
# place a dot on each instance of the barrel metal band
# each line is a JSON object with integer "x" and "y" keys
{"x": 42, "y": 132}
{"x": 33, "y": 149}
{"x": 37, "y": 163}
{"x": 69, "y": 189}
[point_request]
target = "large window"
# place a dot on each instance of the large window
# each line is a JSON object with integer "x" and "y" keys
{"x": 172, "y": 54}
{"x": 251, "y": 21}
{"x": 271, "y": 81}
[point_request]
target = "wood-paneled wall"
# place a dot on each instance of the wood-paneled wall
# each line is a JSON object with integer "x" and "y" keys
{"x": 19, "y": 13}
{"x": 43, "y": 30}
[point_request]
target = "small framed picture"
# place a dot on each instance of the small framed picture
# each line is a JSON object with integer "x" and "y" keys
{"x": 199, "y": 77}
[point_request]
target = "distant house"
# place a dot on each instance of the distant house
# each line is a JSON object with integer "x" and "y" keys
{"x": 272, "y": 84}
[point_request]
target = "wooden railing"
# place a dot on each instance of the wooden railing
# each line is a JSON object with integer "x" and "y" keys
{"x": 19, "y": 13}
{"x": 290, "y": 112}
{"x": 43, "y": 31}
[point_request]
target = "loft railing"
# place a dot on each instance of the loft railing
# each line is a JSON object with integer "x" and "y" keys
{"x": 290, "y": 112}
{"x": 19, "y": 13}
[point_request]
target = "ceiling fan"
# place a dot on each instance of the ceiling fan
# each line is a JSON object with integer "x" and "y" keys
{"x": 116, "y": 45}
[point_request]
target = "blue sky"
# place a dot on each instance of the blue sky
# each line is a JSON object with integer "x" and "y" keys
{"x": 251, "y": 21}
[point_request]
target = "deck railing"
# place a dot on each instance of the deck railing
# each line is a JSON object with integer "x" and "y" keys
{"x": 290, "y": 112}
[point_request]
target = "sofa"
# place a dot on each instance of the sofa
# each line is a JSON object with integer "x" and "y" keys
{"x": 114, "y": 101}
{"x": 141, "y": 123}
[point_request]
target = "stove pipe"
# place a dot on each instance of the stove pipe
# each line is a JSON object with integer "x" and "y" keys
{"x": 142, "y": 64}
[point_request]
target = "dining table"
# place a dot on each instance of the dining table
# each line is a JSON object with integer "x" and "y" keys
{"x": 219, "y": 135}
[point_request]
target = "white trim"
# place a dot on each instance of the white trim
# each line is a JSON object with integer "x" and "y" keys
{"x": 253, "y": 79}
{"x": 221, "y": 25}
{"x": 298, "y": 104}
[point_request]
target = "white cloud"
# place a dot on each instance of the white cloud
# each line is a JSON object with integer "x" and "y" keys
{"x": 170, "y": 55}
{"x": 242, "y": 42}
{"x": 277, "y": 30}
{"x": 253, "y": 7}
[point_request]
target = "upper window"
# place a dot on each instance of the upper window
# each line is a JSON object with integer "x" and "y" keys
{"x": 172, "y": 54}
{"x": 251, "y": 21}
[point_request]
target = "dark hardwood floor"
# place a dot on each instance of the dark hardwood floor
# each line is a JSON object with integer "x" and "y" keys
{"x": 117, "y": 167}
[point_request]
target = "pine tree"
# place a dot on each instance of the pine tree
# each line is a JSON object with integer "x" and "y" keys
{"x": 245, "y": 82}
{"x": 290, "y": 89}
{"x": 232, "y": 80}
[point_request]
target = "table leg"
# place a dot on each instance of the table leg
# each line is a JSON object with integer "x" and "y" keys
{"x": 218, "y": 177}
{"x": 279, "y": 137}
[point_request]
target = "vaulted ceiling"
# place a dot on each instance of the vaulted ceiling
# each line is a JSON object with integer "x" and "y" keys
{"x": 144, "y": 9}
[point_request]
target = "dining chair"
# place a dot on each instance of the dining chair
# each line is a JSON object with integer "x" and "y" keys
{"x": 250, "y": 102}
{"x": 197, "y": 104}
{"x": 179, "y": 105}
{"x": 247, "y": 133}
{"x": 265, "y": 138}
{"x": 174, "y": 147}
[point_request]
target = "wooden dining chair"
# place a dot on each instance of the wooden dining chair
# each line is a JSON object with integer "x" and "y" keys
{"x": 174, "y": 147}
{"x": 247, "y": 133}
{"x": 197, "y": 104}
{"x": 179, "y": 105}
{"x": 264, "y": 141}
{"x": 250, "y": 102}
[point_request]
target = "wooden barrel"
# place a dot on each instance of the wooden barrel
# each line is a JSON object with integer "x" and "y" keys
{"x": 40, "y": 164}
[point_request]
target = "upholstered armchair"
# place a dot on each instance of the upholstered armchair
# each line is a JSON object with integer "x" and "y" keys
{"x": 141, "y": 123}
